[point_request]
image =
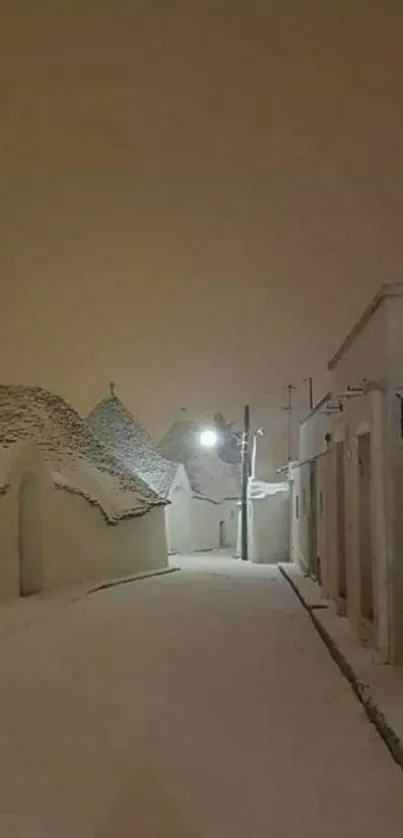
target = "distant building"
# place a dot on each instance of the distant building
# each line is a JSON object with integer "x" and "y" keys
{"x": 69, "y": 511}
{"x": 215, "y": 487}
{"x": 131, "y": 444}
{"x": 347, "y": 526}
{"x": 268, "y": 522}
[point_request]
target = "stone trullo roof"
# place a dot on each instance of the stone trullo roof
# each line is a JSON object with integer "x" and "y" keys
{"x": 76, "y": 459}
{"x": 131, "y": 443}
{"x": 209, "y": 476}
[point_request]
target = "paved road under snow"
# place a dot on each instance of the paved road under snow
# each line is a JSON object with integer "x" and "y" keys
{"x": 200, "y": 703}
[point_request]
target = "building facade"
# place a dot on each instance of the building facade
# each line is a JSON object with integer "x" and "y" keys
{"x": 348, "y": 483}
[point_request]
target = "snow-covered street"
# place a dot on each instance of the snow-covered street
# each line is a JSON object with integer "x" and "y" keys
{"x": 200, "y": 704}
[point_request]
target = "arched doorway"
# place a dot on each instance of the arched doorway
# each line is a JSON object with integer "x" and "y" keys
{"x": 29, "y": 528}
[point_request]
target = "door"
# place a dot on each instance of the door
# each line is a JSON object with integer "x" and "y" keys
{"x": 364, "y": 528}
{"x": 341, "y": 529}
{"x": 29, "y": 530}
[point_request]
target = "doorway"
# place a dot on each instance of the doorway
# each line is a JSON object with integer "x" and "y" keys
{"x": 222, "y": 535}
{"x": 29, "y": 531}
{"x": 314, "y": 568}
{"x": 365, "y": 528}
{"x": 341, "y": 529}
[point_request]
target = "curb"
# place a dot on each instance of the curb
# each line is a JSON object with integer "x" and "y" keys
{"x": 374, "y": 714}
{"x": 135, "y": 578}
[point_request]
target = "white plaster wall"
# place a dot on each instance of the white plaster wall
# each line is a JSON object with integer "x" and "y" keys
{"x": 228, "y": 512}
{"x": 396, "y": 581}
{"x": 26, "y": 460}
{"x": 312, "y": 436}
{"x": 365, "y": 414}
{"x": 178, "y": 523}
{"x": 323, "y": 501}
{"x": 270, "y": 531}
{"x": 376, "y": 355}
{"x": 9, "y": 547}
{"x": 367, "y": 357}
{"x": 394, "y": 309}
{"x": 303, "y": 521}
{"x": 77, "y": 545}
{"x": 177, "y": 514}
{"x": 205, "y": 523}
{"x": 295, "y": 531}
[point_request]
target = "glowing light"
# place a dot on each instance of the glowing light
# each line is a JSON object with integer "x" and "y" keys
{"x": 208, "y": 438}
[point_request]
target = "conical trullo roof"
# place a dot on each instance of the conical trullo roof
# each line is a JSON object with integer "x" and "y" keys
{"x": 130, "y": 442}
{"x": 77, "y": 460}
{"x": 209, "y": 476}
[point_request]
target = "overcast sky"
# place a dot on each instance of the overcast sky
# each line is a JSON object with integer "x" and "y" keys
{"x": 197, "y": 198}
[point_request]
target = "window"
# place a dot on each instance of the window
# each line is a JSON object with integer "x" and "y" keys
{"x": 297, "y": 506}
{"x": 321, "y": 502}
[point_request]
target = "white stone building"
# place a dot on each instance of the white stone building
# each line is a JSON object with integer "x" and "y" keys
{"x": 347, "y": 488}
{"x": 128, "y": 441}
{"x": 215, "y": 487}
{"x": 69, "y": 511}
{"x": 268, "y": 522}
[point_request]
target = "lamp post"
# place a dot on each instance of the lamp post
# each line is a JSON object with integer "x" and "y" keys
{"x": 245, "y": 480}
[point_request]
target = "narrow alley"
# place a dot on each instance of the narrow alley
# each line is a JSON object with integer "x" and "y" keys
{"x": 200, "y": 704}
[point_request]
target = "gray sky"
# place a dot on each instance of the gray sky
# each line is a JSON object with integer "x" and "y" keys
{"x": 197, "y": 198}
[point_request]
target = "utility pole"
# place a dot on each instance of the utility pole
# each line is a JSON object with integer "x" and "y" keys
{"x": 310, "y": 384}
{"x": 245, "y": 481}
{"x": 309, "y": 381}
{"x": 288, "y": 409}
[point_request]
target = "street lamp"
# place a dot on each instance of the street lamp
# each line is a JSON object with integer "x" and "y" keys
{"x": 208, "y": 438}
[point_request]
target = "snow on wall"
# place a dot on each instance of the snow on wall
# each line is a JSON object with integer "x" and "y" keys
{"x": 76, "y": 458}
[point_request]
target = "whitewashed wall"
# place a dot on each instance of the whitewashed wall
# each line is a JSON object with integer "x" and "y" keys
{"x": 376, "y": 354}
{"x": 177, "y": 519}
{"x": 367, "y": 357}
{"x": 270, "y": 531}
{"x": 178, "y": 515}
{"x": 73, "y": 543}
{"x": 312, "y": 435}
{"x": 205, "y": 523}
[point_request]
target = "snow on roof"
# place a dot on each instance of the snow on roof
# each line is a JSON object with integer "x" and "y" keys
{"x": 76, "y": 458}
{"x": 209, "y": 476}
{"x": 131, "y": 443}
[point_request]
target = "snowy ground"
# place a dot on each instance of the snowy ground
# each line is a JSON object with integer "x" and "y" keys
{"x": 383, "y": 685}
{"x": 199, "y": 704}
